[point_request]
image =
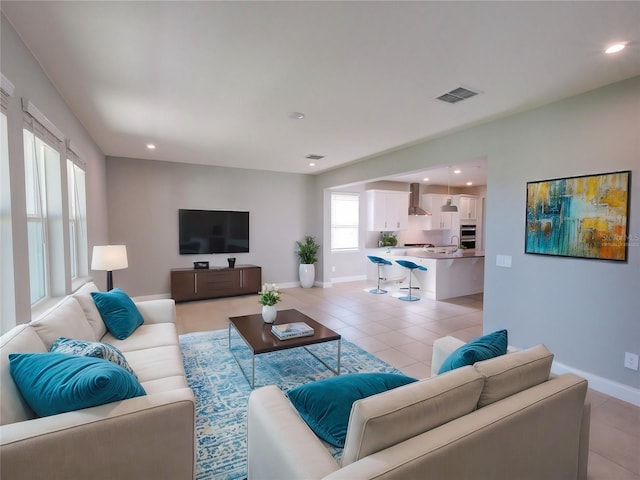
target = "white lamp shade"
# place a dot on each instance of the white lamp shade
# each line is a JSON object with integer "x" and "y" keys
{"x": 109, "y": 257}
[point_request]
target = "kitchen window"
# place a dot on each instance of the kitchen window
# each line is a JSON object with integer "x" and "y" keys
{"x": 345, "y": 221}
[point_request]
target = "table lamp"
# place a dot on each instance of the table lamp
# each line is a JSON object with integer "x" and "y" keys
{"x": 109, "y": 258}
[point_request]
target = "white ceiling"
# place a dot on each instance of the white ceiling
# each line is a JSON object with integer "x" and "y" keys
{"x": 215, "y": 82}
{"x": 474, "y": 171}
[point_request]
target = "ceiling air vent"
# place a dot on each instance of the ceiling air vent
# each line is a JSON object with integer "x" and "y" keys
{"x": 314, "y": 157}
{"x": 457, "y": 95}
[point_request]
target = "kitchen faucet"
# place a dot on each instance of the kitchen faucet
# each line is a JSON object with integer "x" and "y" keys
{"x": 451, "y": 240}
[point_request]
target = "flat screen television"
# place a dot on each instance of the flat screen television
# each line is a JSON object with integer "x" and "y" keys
{"x": 213, "y": 231}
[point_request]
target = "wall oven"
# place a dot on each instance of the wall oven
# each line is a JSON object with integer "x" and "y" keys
{"x": 468, "y": 235}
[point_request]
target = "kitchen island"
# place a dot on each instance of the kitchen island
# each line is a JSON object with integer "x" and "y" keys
{"x": 448, "y": 274}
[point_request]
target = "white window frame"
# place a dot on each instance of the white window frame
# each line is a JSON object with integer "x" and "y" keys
{"x": 77, "y": 199}
{"x": 43, "y": 188}
{"x": 35, "y": 189}
{"x": 7, "y": 283}
{"x": 339, "y": 226}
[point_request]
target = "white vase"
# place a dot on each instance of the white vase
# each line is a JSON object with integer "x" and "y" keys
{"x": 269, "y": 313}
{"x": 307, "y": 275}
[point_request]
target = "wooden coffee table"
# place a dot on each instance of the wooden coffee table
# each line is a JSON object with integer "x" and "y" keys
{"x": 258, "y": 337}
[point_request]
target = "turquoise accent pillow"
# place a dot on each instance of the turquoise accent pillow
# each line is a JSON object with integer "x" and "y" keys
{"x": 482, "y": 348}
{"x": 88, "y": 348}
{"x": 325, "y": 405}
{"x": 119, "y": 313}
{"x": 53, "y": 383}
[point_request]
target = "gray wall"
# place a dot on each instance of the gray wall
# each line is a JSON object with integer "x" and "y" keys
{"x": 21, "y": 69}
{"x": 586, "y": 311}
{"x": 144, "y": 198}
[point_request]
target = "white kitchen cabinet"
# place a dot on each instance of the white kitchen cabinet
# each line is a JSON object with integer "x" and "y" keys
{"x": 467, "y": 207}
{"x": 387, "y": 211}
{"x": 432, "y": 202}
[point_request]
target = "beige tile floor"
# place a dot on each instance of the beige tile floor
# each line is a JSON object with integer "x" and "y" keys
{"x": 402, "y": 334}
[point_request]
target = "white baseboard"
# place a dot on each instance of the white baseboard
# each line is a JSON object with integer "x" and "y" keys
{"x": 354, "y": 278}
{"x": 144, "y": 298}
{"x": 602, "y": 385}
{"x": 325, "y": 284}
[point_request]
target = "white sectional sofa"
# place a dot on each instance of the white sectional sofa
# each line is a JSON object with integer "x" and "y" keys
{"x": 147, "y": 437}
{"x": 500, "y": 419}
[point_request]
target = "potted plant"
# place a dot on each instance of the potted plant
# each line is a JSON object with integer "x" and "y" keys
{"x": 269, "y": 296}
{"x": 308, "y": 255}
{"x": 388, "y": 239}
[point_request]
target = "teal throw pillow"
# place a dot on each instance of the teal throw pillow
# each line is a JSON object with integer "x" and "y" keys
{"x": 53, "y": 383}
{"x": 325, "y": 405}
{"x": 87, "y": 348}
{"x": 120, "y": 314}
{"x": 482, "y": 348}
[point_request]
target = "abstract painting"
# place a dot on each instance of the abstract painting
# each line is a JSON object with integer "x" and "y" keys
{"x": 585, "y": 217}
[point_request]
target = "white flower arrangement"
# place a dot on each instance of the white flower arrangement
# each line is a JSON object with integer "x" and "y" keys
{"x": 269, "y": 295}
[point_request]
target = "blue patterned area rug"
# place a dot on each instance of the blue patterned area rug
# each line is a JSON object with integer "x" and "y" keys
{"x": 222, "y": 392}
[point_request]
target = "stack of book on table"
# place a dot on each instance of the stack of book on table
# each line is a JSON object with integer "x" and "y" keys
{"x": 292, "y": 330}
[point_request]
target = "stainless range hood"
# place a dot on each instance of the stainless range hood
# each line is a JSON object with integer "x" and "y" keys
{"x": 414, "y": 200}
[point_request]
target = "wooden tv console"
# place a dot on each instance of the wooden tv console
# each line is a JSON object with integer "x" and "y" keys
{"x": 215, "y": 282}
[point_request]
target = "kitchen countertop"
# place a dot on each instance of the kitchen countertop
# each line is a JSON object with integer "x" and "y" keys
{"x": 433, "y": 253}
{"x": 422, "y": 253}
{"x": 446, "y": 274}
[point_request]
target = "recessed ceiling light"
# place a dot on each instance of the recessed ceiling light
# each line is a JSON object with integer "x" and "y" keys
{"x": 296, "y": 115}
{"x": 312, "y": 164}
{"x": 151, "y": 146}
{"x": 457, "y": 171}
{"x": 469, "y": 183}
{"x": 425, "y": 179}
{"x": 615, "y": 48}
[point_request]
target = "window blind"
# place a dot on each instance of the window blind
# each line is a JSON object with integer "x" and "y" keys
{"x": 41, "y": 126}
{"x": 6, "y": 91}
{"x": 74, "y": 155}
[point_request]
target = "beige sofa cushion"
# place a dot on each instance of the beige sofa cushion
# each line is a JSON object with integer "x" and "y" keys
{"x": 513, "y": 373}
{"x": 165, "y": 384}
{"x": 388, "y": 418}
{"x": 64, "y": 320}
{"x": 144, "y": 337}
{"x": 162, "y": 310}
{"x": 19, "y": 339}
{"x": 84, "y": 298}
{"x": 156, "y": 363}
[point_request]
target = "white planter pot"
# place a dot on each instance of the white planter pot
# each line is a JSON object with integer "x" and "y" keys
{"x": 269, "y": 313}
{"x": 307, "y": 275}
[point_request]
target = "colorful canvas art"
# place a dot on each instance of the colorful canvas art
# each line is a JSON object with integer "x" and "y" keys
{"x": 584, "y": 217}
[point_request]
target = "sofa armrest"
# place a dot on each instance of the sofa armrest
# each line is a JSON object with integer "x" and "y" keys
{"x": 144, "y": 437}
{"x": 158, "y": 311}
{"x": 585, "y": 431}
{"x": 279, "y": 442}
{"x": 442, "y": 348}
